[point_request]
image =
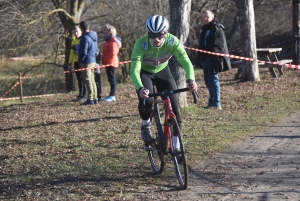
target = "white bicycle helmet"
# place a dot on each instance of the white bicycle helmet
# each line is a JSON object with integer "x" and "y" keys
{"x": 157, "y": 24}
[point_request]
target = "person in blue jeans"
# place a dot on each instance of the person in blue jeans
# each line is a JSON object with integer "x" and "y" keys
{"x": 212, "y": 38}
{"x": 212, "y": 82}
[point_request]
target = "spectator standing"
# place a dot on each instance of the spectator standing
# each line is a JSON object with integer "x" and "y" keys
{"x": 212, "y": 38}
{"x": 73, "y": 60}
{"x": 88, "y": 51}
{"x": 110, "y": 53}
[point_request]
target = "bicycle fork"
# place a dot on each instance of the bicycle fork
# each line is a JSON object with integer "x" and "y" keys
{"x": 168, "y": 141}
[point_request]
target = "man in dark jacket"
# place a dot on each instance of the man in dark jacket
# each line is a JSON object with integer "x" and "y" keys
{"x": 88, "y": 49}
{"x": 212, "y": 38}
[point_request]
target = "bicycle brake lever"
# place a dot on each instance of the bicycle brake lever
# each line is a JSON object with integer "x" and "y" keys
{"x": 195, "y": 95}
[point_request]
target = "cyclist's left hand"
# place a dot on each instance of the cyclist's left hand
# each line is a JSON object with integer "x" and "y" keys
{"x": 192, "y": 85}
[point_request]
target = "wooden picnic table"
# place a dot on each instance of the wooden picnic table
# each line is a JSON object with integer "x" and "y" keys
{"x": 268, "y": 54}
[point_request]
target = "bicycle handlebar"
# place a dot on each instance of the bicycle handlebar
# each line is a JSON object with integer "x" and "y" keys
{"x": 170, "y": 92}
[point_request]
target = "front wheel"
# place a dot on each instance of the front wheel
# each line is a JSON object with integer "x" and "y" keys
{"x": 155, "y": 151}
{"x": 178, "y": 155}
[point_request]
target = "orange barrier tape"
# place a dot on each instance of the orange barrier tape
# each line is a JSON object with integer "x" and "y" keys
{"x": 36, "y": 96}
{"x": 11, "y": 89}
{"x": 123, "y": 62}
{"x": 246, "y": 58}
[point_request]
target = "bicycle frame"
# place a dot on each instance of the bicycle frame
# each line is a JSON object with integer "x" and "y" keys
{"x": 168, "y": 114}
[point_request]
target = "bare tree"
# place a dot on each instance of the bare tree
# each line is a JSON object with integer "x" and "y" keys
{"x": 43, "y": 27}
{"x": 39, "y": 27}
{"x": 179, "y": 26}
{"x": 247, "y": 27}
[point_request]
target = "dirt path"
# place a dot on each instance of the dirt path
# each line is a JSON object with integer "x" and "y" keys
{"x": 263, "y": 167}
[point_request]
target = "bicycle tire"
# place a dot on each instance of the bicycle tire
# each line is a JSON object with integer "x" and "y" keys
{"x": 180, "y": 166}
{"x": 155, "y": 152}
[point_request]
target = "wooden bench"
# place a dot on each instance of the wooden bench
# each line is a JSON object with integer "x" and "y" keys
{"x": 237, "y": 64}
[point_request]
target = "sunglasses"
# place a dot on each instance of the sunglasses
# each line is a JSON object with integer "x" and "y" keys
{"x": 156, "y": 35}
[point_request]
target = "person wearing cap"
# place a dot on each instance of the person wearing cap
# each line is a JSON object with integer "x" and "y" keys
{"x": 88, "y": 50}
{"x": 149, "y": 66}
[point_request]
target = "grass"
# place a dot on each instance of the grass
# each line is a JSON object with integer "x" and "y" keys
{"x": 52, "y": 148}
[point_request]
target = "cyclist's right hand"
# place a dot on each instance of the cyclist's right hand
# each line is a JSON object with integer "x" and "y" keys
{"x": 144, "y": 93}
{"x": 192, "y": 85}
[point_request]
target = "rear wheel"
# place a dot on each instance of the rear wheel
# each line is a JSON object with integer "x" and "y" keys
{"x": 155, "y": 152}
{"x": 178, "y": 156}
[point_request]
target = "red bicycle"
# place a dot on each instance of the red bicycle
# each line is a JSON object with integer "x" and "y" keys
{"x": 167, "y": 139}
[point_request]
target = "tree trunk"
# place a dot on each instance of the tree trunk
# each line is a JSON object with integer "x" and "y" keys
{"x": 179, "y": 26}
{"x": 70, "y": 86}
{"x": 296, "y": 30}
{"x": 247, "y": 26}
{"x": 75, "y": 10}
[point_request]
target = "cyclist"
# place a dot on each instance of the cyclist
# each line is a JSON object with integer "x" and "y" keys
{"x": 149, "y": 66}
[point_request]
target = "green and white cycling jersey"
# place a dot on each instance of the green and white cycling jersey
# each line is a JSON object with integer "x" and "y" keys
{"x": 152, "y": 59}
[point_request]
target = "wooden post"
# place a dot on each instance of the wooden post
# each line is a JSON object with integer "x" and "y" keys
{"x": 21, "y": 88}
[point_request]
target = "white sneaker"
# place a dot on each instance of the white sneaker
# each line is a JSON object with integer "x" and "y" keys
{"x": 146, "y": 133}
{"x": 110, "y": 98}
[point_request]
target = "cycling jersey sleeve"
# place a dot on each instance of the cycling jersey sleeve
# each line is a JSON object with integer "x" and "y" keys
{"x": 135, "y": 65}
{"x": 184, "y": 60}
